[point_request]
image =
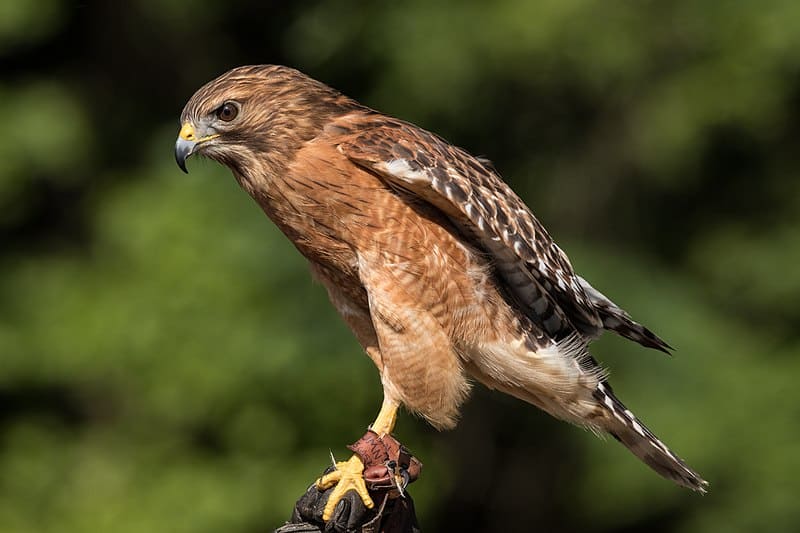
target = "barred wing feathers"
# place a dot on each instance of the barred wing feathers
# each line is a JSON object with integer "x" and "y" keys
{"x": 537, "y": 272}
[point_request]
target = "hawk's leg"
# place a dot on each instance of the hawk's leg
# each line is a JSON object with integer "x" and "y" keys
{"x": 387, "y": 417}
{"x": 349, "y": 475}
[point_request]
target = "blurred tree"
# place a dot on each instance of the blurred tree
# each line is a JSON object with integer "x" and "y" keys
{"x": 155, "y": 371}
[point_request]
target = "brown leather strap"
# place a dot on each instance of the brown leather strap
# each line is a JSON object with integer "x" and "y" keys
{"x": 387, "y": 463}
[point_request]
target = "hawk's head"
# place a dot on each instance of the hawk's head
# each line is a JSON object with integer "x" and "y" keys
{"x": 256, "y": 115}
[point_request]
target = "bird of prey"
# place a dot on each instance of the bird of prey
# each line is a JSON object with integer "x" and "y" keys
{"x": 439, "y": 268}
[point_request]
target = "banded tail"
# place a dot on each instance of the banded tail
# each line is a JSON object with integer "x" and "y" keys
{"x": 626, "y": 428}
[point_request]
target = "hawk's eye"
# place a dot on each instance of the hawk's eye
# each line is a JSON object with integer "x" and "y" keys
{"x": 227, "y": 111}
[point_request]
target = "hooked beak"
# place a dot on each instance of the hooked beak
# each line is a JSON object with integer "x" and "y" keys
{"x": 187, "y": 143}
{"x": 183, "y": 149}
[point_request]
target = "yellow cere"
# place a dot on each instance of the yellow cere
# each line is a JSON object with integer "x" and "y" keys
{"x": 187, "y": 132}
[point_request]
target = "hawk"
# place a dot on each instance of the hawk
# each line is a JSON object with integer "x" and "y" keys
{"x": 441, "y": 271}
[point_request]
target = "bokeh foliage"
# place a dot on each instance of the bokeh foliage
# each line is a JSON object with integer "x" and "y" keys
{"x": 166, "y": 364}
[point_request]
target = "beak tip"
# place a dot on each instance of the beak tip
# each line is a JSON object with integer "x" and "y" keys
{"x": 183, "y": 149}
{"x": 182, "y": 165}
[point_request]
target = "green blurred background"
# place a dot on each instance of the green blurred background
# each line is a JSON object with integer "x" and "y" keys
{"x": 166, "y": 363}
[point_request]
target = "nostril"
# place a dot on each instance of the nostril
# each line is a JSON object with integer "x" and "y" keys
{"x": 187, "y": 132}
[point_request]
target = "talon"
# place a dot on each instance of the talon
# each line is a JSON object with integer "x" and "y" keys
{"x": 349, "y": 475}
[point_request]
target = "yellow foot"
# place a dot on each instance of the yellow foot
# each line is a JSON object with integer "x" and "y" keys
{"x": 349, "y": 475}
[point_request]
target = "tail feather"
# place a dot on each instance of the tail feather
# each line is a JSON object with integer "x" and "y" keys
{"x": 627, "y": 429}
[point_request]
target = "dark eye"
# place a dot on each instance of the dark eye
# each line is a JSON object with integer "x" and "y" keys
{"x": 227, "y": 111}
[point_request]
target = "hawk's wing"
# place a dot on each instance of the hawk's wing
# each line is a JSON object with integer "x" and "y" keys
{"x": 483, "y": 207}
{"x": 474, "y": 197}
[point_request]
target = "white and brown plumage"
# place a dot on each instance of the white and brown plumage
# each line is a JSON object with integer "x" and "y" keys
{"x": 441, "y": 271}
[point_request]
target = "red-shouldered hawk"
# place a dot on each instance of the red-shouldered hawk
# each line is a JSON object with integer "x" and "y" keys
{"x": 437, "y": 266}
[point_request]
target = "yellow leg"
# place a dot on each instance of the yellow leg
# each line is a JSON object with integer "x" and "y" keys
{"x": 387, "y": 417}
{"x": 349, "y": 475}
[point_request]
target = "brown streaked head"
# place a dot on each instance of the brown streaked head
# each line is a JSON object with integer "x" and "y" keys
{"x": 260, "y": 112}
